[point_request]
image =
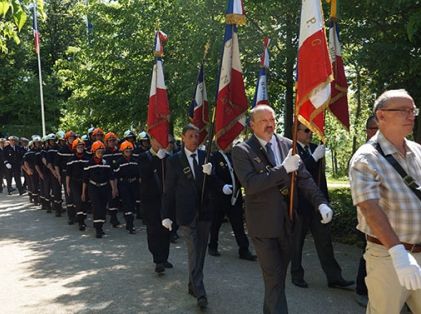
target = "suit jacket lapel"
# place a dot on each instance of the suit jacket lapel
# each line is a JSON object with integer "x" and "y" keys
{"x": 259, "y": 150}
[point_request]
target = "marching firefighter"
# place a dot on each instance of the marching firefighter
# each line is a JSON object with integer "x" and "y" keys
{"x": 29, "y": 166}
{"x": 111, "y": 155}
{"x": 127, "y": 176}
{"x": 13, "y": 154}
{"x": 44, "y": 175}
{"x": 64, "y": 154}
{"x": 98, "y": 180}
{"x": 74, "y": 181}
{"x": 98, "y": 135}
{"x": 55, "y": 178}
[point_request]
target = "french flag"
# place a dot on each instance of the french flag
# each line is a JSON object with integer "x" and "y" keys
{"x": 35, "y": 29}
{"x": 231, "y": 101}
{"x": 199, "y": 110}
{"x": 158, "y": 107}
{"x": 314, "y": 68}
{"x": 261, "y": 95}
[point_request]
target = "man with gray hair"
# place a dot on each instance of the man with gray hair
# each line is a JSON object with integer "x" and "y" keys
{"x": 385, "y": 174}
{"x": 263, "y": 165}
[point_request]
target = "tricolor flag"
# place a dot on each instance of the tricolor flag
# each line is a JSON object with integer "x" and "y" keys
{"x": 199, "y": 110}
{"x": 261, "y": 95}
{"x": 339, "y": 87}
{"x": 231, "y": 101}
{"x": 35, "y": 29}
{"x": 314, "y": 68}
{"x": 158, "y": 107}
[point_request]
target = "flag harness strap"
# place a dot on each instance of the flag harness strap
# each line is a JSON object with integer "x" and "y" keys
{"x": 407, "y": 179}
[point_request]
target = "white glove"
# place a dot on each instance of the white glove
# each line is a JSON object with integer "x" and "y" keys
{"x": 8, "y": 166}
{"x": 291, "y": 163}
{"x": 161, "y": 153}
{"x": 167, "y": 223}
{"x": 406, "y": 267}
{"x": 207, "y": 168}
{"x": 326, "y": 212}
{"x": 227, "y": 189}
{"x": 319, "y": 152}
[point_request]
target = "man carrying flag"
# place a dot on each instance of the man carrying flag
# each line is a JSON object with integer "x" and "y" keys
{"x": 199, "y": 110}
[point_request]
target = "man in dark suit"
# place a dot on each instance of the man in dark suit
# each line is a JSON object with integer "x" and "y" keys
{"x": 2, "y": 165}
{"x": 183, "y": 201}
{"x": 263, "y": 164}
{"x": 13, "y": 155}
{"x": 308, "y": 219}
{"x": 227, "y": 199}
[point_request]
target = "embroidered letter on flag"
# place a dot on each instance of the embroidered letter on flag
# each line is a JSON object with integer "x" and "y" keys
{"x": 261, "y": 95}
{"x": 231, "y": 102}
{"x": 158, "y": 107}
{"x": 339, "y": 87}
{"x": 198, "y": 111}
{"x": 314, "y": 68}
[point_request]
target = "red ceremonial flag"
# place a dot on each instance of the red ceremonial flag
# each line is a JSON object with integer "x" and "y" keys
{"x": 314, "y": 68}
{"x": 35, "y": 29}
{"x": 231, "y": 101}
{"x": 158, "y": 107}
{"x": 339, "y": 87}
{"x": 199, "y": 110}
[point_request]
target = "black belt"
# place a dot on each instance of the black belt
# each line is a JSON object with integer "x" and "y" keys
{"x": 413, "y": 248}
{"x": 97, "y": 184}
{"x": 130, "y": 180}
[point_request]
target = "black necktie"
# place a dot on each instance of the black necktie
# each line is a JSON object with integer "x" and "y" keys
{"x": 271, "y": 155}
{"x": 307, "y": 149}
{"x": 196, "y": 168}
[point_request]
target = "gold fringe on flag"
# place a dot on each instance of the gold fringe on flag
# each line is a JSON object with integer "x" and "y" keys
{"x": 237, "y": 19}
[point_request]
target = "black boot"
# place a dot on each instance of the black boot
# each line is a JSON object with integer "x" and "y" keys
{"x": 129, "y": 223}
{"x": 36, "y": 200}
{"x": 58, "y": 209}
{"x": 139, "y": 214}
{"x": 98, "y": 229}
{"x": 114, "y": 220}
{"x": 49, "y": 205}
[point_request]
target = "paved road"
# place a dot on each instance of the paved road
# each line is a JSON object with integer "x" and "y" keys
{"x": 48, "y": 266}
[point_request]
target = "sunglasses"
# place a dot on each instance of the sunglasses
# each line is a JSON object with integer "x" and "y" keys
{"x": 305, "y": 130}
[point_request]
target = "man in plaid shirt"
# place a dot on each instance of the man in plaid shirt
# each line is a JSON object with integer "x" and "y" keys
{"x": 389, "y": 212}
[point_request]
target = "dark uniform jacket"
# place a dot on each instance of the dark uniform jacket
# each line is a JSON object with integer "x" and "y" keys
{"x": 75, "y": 166}
{"x": 266, "y": 206}
{"x": 126, "y": 169}
{"x": 31, "y": 158}
{"x": 64, "y": 155}
{"x": 97, "y": 173}
{"x": 13, "y": 156}
{"x": 182, "y": 192}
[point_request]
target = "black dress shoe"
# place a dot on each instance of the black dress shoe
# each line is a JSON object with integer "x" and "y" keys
{"x": 202, "y": 302}
{"x": 98, "y": 235}
{"x": 159, "y": 268}
{"x": 132, "y": 231}
{"x": 213, "y": 252}
{"x": 168, "y": 265}
{"x": 82, "y": 227}
{"x": 191, "y": 292}
{"x": 341, "y": 283}
{"x": 248, "y": 256}
{"x": 174, "y": 237}
{"x": 300, "y": 283}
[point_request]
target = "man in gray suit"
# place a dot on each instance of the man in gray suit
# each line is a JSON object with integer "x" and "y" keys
{"x": 263, "y": 165}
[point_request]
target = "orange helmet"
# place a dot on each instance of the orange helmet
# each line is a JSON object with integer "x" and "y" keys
{"x": 126, "y": 145}
{"x": 110, "y": 135}
{"x": 97, "y": 131}
{"x": 97, "y": 145}
{"x": 77, "y": 142}
{"x": 69, "y": 134}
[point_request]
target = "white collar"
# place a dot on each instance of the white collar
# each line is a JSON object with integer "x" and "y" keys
{"x": 189, "y": 153}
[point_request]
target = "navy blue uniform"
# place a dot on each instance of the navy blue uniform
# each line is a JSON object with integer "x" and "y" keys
{"x": 45, "y": 180}
{"x": 30, "y": 159}
{"x": 13, "y": 156}
{"x": 64, "y": 155}
{"x": 55, "y": 184}
{"x": 127, "y": 175}
{"x": 111, "y": 156}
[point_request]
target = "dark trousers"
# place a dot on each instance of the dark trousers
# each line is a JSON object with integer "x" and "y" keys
{"x": 310, "y": 220}
{"x": 78, "y": 209}
{"x": 56, "y": 190}
{"x": 360, "y": 286}
{"x": 99, "y": 198}
{"x": 14, "y": 173}
{"x": 158, "y": 236}
{"x": 2, "y": 176}
{"x": 273, "y": 255}
{"x": 235, "y": 216}
{"x": 33, "y": 185}
{"x": 67, "y": 196}
{"x": 128, "y": 193}
{"x": 46, "y": 191}
{"x": 196, "y": 236}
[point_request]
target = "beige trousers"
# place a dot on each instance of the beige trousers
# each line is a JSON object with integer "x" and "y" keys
{"x": 385, "y": 294}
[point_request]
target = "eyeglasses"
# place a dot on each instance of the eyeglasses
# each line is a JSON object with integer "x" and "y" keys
{"x": 305, "y": 130}
{"x": 405, "y": 112}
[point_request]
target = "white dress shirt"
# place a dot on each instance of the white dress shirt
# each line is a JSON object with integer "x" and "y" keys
{"x": 190, "y": 159}
{"x": 275, "y": 148}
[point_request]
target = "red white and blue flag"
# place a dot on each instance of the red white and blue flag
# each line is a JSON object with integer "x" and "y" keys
{"x": 158, "y": 107}
{"x": 339, "y": 87}
{"x": 314, "y": 68}
{"x": 35, "y": 29}
{"x": 199, "y": 109}
{"x": 231, "y": 101}
{"x": 261, "y": 95}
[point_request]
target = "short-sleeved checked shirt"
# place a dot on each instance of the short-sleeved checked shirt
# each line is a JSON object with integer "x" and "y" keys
{"x": 373, "y": 178}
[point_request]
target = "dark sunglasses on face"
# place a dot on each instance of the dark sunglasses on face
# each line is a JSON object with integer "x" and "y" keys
{"x": 305, "y": 130}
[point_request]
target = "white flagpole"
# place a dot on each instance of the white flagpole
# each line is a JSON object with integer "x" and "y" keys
{"x": 39, "y": 72}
